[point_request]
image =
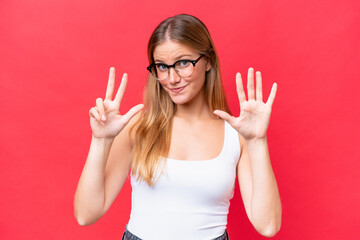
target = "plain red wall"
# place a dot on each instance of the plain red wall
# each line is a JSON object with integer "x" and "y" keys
{"x": 54, "y": 62}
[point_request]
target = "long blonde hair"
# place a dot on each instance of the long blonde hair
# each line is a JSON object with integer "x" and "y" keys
{"x": 153, "y": 128}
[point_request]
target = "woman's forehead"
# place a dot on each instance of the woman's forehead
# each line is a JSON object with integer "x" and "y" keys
{"x": 172, "y": 51}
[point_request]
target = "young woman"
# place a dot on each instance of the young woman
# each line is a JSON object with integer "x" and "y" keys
{"x": 183, "y": 147}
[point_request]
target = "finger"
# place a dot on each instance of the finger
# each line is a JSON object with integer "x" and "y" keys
{"x": 111, "y": 84}
{"x": 126, "y": 118}
{"x": 121, "y": 90}
{"x": 240, "y": 88}
{"x": 225, "y": 116}
{"x": 259, "y": 95}
{"x": 250, "y": 84}
{"x": 100, "y": 106}
{"x": 272, "y": 95}
{"x": 94, "y": 113}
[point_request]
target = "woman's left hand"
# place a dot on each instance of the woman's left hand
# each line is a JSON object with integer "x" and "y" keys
{"x": 254, "y": 116}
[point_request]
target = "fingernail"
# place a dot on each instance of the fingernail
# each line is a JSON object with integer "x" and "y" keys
{"x": 103, "y": 117}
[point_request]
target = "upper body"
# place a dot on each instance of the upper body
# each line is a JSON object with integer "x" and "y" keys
{"x": 191, "y": 129}
{"x": 191, "y": 197}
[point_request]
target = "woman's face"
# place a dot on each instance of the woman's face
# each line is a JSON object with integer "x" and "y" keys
{"x": 181, "y": 89}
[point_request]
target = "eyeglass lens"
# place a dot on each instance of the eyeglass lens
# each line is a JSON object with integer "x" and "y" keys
{"x": 182, "y": 68}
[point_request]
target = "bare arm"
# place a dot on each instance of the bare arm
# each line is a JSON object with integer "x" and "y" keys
{"x": 256, "y": 178}
{"x": 258, "y": 187}
{"x": 109, "y": 159}
{"x": 105, "y": 171}
{"x": 89, "y": 204}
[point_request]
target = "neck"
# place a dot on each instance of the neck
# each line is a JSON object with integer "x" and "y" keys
{"x": 195, "y": 109}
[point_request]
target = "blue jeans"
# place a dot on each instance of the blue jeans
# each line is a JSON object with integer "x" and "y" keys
{"x": 129, "y": 236}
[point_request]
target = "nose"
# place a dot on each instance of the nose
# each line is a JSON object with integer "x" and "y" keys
{"x": 173, "y": 76}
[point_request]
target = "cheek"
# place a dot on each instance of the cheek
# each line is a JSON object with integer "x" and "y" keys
{"x": 199, "y": 78}
{"x": 163, "y": 85}
{"x": 201, "y": 72}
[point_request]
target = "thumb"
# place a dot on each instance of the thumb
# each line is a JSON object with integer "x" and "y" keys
{"x": 225, "y": 116}
{"x": 126, "y": 117}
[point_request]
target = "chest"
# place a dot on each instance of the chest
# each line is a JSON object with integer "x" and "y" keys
{"x": 196, "y": 141}
{"x": 193, "y": 182}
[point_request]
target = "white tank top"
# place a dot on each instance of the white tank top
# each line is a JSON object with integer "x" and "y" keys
{"x": 190, "y": 200}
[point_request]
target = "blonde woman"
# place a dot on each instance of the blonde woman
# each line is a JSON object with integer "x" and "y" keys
{"x": 183, "y": 147}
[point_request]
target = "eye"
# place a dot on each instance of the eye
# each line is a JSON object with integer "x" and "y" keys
{"x": 161, "y": 67}
{"x": 183, "y": 63}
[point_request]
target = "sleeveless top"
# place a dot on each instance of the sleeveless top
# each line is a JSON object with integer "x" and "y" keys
{"x": 191, "y": 198}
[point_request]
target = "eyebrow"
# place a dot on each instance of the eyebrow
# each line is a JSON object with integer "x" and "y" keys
{"x": 177, "y": 58}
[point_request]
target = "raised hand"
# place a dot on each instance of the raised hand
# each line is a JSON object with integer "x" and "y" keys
{"x": 254, "y": 116}
{"x": 105, "y": 118}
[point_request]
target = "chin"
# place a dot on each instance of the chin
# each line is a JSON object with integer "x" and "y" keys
{"x": 179, "y": 99}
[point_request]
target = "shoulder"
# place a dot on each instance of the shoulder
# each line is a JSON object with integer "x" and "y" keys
{"x": 236, "y": 136}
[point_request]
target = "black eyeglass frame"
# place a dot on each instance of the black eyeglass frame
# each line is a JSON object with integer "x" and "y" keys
{"x": 173, "y": 65}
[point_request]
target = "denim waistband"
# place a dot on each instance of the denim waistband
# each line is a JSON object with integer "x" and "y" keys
{"x": 129, "y": 236}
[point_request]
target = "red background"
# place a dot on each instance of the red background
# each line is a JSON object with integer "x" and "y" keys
{"x": 54, "y": 62}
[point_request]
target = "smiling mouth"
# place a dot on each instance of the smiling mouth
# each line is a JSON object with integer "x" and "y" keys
{"x": 177, "y": 90}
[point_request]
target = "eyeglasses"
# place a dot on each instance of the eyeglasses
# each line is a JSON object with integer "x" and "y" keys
{"x": 184, "y": 68}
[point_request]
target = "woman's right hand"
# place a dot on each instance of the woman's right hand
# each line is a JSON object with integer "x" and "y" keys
{"x": 105, "y": 118}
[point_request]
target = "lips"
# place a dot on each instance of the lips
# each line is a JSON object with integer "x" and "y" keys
{"x": 177, "y": 90}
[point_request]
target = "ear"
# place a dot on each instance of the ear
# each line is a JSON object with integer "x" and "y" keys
{"x": 208, "y": 65}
